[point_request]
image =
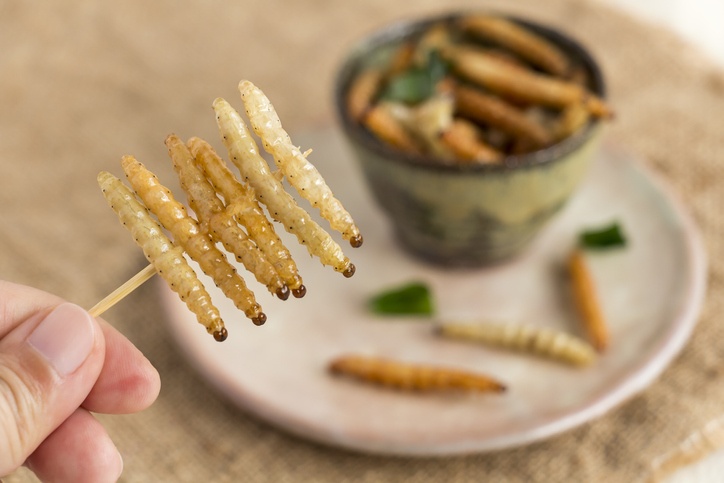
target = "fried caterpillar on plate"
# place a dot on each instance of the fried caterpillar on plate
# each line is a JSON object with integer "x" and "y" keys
{"x": 409, "y": 376}
{"x": 586, "y": 299}
{"x": 540, "y": 341}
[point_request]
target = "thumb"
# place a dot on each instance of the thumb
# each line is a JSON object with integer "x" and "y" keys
{"x": 48, "y": 365}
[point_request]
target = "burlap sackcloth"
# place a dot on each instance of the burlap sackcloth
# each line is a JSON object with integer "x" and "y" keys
{"x": 82, "y": 83}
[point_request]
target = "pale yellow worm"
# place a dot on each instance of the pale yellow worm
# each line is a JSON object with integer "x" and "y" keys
{"x": 217, "y": 221}
{"x": 199, "y": 246}
{"x": 299, "y": 172}
{"x": 540, "y": 341}
{"x": 241, "y": 203}
{"x": 160, "y": 251}
{"x": 268, "y": 189}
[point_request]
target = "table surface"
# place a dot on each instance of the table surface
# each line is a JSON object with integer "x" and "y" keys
{"x": 699, "y": 22}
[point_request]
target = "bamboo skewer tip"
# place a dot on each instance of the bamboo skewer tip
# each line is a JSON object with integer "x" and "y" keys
{"x": 121, "y": 292}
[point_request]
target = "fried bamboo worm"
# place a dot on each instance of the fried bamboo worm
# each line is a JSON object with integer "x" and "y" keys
{"x": 571, "y": 120}
{"x": 242, "y": 204}
{"x": 464, "y": 140}
{"x": 522, "y": 84}
{"x": 544, "y": 342}
{"x": 186, "y": 233}
{"x": 368, "y": 82}
{"x": 436, "y": 38}
{"x": 362, "y": 92}
{"x": 425, "y": 121}
{"x": 401, "y": 60}
{"x": 401, "y": 375}
{"x": 166, "y": 258}
{"x": 244, "y": 153}
{"x": 382, "y": 124}
{"x": 492, "y": 111}
{"x": 217, "y": 221}
{"x": 293, "y": 164}
{"x": 586, "y": 299}
{"x": 520, "y": 40}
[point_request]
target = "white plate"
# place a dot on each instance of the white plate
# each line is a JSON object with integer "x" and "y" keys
{"x": 651, "y": 291}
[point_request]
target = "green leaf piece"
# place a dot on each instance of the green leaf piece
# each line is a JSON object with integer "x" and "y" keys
{"x": 608, "y": 237}
{"x": 410, "y": 299}
{"x": 417, "y": 83}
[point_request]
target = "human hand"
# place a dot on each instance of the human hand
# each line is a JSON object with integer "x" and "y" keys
{"x": 57, "y": 365}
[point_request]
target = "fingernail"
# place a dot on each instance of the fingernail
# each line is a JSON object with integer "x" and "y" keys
{"x": 120, "y": 458}
{"x": 64, "y": 337}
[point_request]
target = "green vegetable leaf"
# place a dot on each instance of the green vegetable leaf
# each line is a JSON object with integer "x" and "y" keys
{"x": 608, "y": 237}
{"x": 410, "y": 299}
{"x": 417, "y": 83}
{"x": 410, "y": 87}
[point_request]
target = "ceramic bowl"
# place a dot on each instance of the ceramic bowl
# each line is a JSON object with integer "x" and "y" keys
{"x": 466, "y": 215}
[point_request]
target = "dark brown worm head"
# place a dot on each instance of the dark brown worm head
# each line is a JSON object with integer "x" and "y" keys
{"x": 299, "y": 292}
{"x": 349, "y": 271}
{"x": 356, "y": 241}
{"x": 221, "y": 335}
{"x": 283, "y": 292}
{"x": 259, "y": 319}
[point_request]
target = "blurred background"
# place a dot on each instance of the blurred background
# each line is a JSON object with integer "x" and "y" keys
{"x": 694, "y": 21}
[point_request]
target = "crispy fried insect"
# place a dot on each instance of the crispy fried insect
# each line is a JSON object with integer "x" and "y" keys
{"x": 242, "y": 204}
{"x": 571, "y": 120}
{"x": 402, "y": 375}
{"x": 217, "y": 221}
{"x": 521, "y": 84}
{"x": 534, "y": 340}
{"x": 522, "y": 89}
{"x": 382, "y": 124}
{"x": 520, "y": 40}
{"x": 585, "y": 296}
{"x": 507, "y": 57}
{"x": 496, "y": 113}
{"x": 425, "y": 121}
{"x": 186, "y": 233}
{"x": 402, "y": 59}
{"x": 167, "y": 259}
{"x": 362, "y": 92}
{"x": 244, "y": 153}
{"x": 293, "y": 164}
{"x": 436, "y": 38}
{"x": 464, "y": 140}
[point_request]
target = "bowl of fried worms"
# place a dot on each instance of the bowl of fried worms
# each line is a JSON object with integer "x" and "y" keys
{"x": 472, "y": 130}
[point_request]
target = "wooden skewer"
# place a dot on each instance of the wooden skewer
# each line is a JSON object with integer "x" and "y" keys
{"x": 118, "y": 294}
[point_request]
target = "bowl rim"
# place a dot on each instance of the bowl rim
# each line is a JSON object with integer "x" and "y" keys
{"x": 392, "y": 32}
